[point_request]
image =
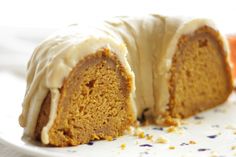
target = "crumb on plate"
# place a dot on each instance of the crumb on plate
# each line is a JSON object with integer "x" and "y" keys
{"x": 123, "y": 146}
{"x": 161, "y": 140}
{"x": 171, "y": 147}
{"x": 171, "y": 129}
{"x": 192, "y": 142}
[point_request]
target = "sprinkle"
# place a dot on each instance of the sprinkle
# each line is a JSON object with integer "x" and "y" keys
{"x": 161, "y": 140}
{"x": 171, "y": 147}
{"x": 203, "y": 149}
{"x": 90, "y": 143}
{"x": 192, "y": 142}
{"x": 212, "y": 136}
{"x": 161, "y": 129}
{"x": 145, "y": 145}
{"x": 184, "y": 144}
{"x": 123, "y": 146}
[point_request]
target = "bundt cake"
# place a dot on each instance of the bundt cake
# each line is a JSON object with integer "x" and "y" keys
{"x": 91, "y": 82}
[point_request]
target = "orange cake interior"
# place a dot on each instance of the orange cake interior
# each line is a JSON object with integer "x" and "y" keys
{"x": 94, "y": 102}
{"x": 200, "y": 75}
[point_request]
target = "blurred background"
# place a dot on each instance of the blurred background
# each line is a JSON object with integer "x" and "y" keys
{"x": 24, "y": 23}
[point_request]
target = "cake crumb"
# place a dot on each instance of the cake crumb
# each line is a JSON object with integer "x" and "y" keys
{"x": 192, "y": 142}
{"x": 233, "y": 148}
{"x": 136, "y": 124}
{"x": 95, "y": 137}
{"x": 166, "y": 120}
{"x": 171, "y": 147}
{"x": 130, "y": 131}
{"x": 123, "y": 146}
{"x": 161, "y": 140}
{"x": 172, "y": 121}
{"x": 149, "y": 137}
{"x": 109, "y": 138}
{"x": 171, "y": 129}
{"x": 139, "y": 132}
{"x": 141, "y": 135}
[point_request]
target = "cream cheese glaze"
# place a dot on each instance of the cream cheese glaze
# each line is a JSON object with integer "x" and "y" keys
{"x": 144, "y": 45}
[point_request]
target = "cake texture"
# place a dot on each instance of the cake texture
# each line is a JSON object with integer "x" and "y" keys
{"x": 91, "y": 82}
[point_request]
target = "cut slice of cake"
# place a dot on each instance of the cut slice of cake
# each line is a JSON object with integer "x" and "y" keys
{"x": 200, "y": 75}
{"x": 94, "y": 103}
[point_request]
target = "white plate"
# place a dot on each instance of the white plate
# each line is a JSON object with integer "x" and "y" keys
{"x": 213, "y": 131}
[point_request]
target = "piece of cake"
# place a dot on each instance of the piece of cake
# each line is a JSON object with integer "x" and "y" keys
{"x": 91, "y": 82}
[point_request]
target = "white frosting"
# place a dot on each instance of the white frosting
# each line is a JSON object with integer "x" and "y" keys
{"x": 144, "y": 45}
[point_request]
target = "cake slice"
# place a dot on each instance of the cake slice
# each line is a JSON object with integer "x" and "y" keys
{"x": 94, "y": 103}
{"x": 200, "y": 77}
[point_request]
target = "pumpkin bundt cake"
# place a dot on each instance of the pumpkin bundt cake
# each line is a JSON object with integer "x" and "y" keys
{"x": 91, "y": 82}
